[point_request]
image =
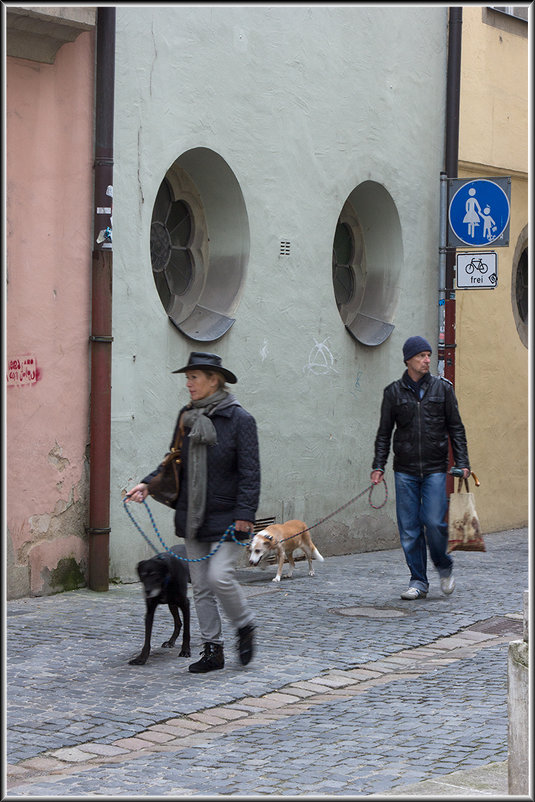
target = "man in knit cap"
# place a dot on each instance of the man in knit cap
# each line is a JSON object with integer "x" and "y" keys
{"x": 422, "y": 411}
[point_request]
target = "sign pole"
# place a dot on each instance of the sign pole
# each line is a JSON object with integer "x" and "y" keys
{"x": 442, "y": 272}
{"x": 446, "y": 292}
{"x": 449, "y": 318}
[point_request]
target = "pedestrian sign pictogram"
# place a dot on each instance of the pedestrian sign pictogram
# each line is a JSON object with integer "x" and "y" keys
{"x": 479, "y": 212}
{"x": 477, "y": 271}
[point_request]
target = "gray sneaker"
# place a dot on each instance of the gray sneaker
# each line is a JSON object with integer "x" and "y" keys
{"x": 414, "y": 593}
{"x": 447, "y": 584}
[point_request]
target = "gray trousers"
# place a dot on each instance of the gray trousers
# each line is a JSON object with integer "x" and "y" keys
{"x": 213, "y": 580}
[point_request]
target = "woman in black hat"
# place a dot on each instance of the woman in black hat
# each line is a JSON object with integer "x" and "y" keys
{"x": 220, "y": 485}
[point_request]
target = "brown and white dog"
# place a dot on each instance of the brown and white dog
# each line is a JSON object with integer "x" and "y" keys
{"x": 278, "y": 538}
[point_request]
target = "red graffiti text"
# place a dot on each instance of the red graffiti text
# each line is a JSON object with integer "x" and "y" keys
{"x": 21, "y": 370}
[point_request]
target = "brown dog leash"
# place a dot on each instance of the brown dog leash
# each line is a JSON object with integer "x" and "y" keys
{"x": 368, "y": 490}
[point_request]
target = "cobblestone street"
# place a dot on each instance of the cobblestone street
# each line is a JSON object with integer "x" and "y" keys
{"x": 352, "y": 692}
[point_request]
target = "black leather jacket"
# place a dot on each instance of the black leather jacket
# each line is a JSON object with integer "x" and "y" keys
{"x": 422, "y": 428}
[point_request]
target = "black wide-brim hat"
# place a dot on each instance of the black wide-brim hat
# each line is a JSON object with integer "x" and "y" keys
{"x": 200, "y": 360}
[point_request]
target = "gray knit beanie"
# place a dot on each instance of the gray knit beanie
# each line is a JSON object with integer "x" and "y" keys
{"x": 413, "y": 346}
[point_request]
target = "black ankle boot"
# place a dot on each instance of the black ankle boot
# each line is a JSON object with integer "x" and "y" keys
{"x": 245, "y": 643}
{"x": 212, "y": 659}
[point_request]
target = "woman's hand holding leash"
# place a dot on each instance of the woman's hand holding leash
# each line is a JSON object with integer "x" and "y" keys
{"x": 138, "y": 493}
{"x": 244, "y": 526}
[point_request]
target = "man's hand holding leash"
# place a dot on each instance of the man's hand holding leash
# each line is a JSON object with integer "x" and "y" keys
{"x": 376, "y": 477}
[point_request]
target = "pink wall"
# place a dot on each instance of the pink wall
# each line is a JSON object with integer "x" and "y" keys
{"x": 49, "y": 147}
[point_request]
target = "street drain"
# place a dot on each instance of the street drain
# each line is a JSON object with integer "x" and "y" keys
{"x": 499, "y": 625}
{"x": 367, "y": 612}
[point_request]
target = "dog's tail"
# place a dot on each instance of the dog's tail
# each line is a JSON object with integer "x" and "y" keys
{"x": 316, "y": 555}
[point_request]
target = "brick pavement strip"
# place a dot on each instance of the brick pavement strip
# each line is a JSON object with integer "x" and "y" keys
{"x": 362, "y": 673}
{"x": 472, "y": 635}
{"x": 207, "y": 717}
{"x": 40, "y": 764}
{"x": 71, "y": 755}
{"x": 227, "y": 713}
{"x": 309, "y": 685}
{"x": 302, "y": 693}
{"x": 155, "y": 737}
{"x": 449, "y": 643}
{"x": 270, "y": 700}
{"x": 189, "y": 723}
{"x": 132, "y": 744}
{"x": 106, "y": 750}
{"x": 172, "y": 734}
{"x": 172, "y": 729}
{"x": 332, "y": 681}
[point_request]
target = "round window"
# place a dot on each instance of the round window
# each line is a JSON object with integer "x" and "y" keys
{"x": 343, "y": 270}
{"x": 170, "y": 238}
{"x": 366, "y": 266}
{"x": 199, "y": 280}
{"x": 520, "y": 287}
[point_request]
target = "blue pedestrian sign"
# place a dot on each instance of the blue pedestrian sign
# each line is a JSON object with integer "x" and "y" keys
{"x": 479, "y": 212}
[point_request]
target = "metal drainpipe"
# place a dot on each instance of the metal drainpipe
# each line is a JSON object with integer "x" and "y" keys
{"x": 101, "y": 306}
{"x": 453, "y": 93}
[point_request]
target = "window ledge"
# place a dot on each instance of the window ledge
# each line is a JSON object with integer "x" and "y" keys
{"x": 37, "y": 33}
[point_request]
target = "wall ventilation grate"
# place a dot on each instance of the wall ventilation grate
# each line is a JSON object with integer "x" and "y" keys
{"x": 285, "y": 248}
{"x": 261, "y": 523}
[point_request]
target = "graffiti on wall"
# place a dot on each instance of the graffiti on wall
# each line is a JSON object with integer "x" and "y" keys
{"x": 320, "y": 359}
{"x": 21, "y": 370}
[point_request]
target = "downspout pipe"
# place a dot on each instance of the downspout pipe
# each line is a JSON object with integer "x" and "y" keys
{"x": 101, "y": 306}
{"x": 453, "y": 95}
{"x": 451, "y": 167}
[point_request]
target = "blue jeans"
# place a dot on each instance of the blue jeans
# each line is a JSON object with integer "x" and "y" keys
{"x": 421, "y": 505}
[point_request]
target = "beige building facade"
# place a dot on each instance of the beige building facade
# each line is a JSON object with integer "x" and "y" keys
{"x": 492, "y": 367}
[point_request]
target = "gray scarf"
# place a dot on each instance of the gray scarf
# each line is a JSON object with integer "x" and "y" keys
{"x": 202, "y": 435}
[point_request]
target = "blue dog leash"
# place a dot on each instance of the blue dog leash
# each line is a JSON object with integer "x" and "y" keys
{"x": 231, "y": 530}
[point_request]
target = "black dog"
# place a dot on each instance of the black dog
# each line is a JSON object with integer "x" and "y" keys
{"x": 165, "y": 581}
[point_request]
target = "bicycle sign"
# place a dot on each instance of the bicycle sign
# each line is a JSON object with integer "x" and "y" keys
{"x": 477, "y": 271}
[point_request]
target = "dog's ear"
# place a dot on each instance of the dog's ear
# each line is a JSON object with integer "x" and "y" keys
{"x": 140, "y": 568}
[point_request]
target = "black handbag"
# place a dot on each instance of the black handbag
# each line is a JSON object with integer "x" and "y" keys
{"x": 164, "y": 485}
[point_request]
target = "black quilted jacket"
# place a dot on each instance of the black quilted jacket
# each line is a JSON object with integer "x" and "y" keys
{"x": 422, "y": 428}
{"x": 233, "y": 482}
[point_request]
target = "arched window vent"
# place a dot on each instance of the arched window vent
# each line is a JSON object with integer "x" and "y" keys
{"x": 199, "y": 244}
{"x": 520, "y": 287}
{"x": 367, "y": 261}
